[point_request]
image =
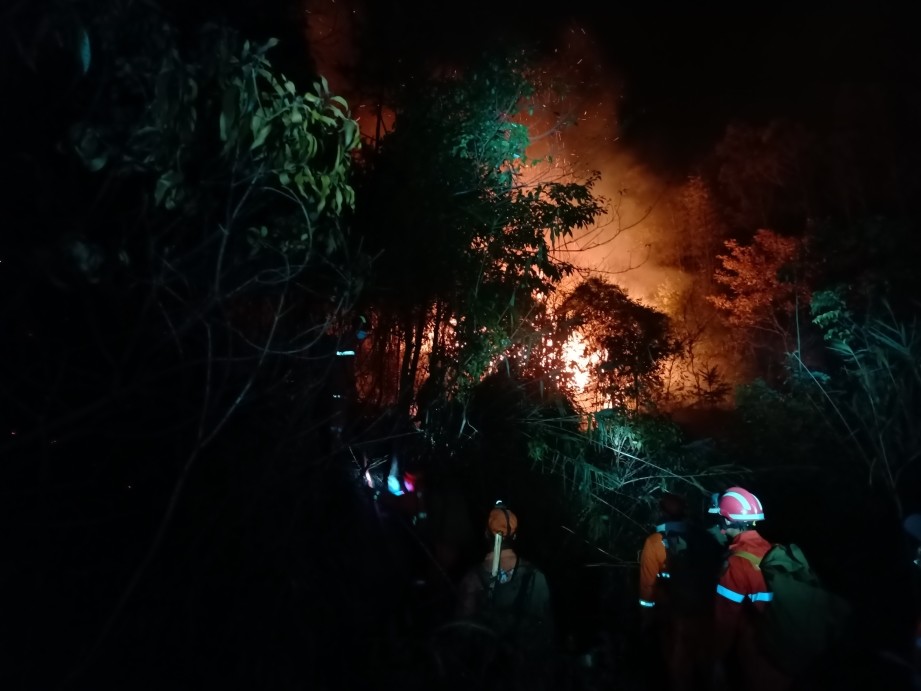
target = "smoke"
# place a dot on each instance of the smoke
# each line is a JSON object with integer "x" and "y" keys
{"x": 332, "y": 30}
{"x": 577, "y": 121}
{"x": 578, "y": 86}
{"x": 626, "y": 244}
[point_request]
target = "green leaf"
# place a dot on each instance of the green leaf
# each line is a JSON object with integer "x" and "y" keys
{"x": 166, "y": 184}
{"x": 312, "y": 145}
{"x": 260, "y": 138}
{"x": 97, "y": 163}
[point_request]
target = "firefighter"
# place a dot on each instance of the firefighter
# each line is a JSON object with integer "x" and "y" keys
{"x": 741, "y": 587}
{"x": 679, "y": 567}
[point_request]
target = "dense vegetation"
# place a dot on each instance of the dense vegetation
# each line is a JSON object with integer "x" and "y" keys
{"x": 193, "y": 234}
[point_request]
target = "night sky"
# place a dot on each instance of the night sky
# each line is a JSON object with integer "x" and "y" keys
{"x": 687, "y": 73}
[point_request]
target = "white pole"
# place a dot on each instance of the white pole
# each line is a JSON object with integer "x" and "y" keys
{"x": 496, "y": 552}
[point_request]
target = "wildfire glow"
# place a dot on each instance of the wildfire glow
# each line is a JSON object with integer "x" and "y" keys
{"x": 577, "y": 362}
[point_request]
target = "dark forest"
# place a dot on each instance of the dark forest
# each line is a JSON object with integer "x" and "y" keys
{"x": 272, "y": 274}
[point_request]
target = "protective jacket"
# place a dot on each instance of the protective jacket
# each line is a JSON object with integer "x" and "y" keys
{"x": 741, "y": 589}
{"x": 652, "y": 568}
{"x": 518, "y": 608}
{"x": 741, "y": 584}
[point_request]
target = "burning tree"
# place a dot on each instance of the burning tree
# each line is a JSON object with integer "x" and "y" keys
{"x": 463, "y": 224}
{"x": 630, "y": 340}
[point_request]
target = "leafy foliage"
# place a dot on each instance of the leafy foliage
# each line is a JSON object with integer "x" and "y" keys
{"x": 617, "y": 464}
{"x": 463, "y": 220}
{"x": 219, "y": 133}
{"x": 779, "y": 428}
{"x": 762, "y": 288}
{"x": 856, "y": 418}
{"x": 631, "y": 340}
{"x": 165, "y": 343}
{"x": 874, "y": 392}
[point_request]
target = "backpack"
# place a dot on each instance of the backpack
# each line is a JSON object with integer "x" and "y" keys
{"x": 693, "y": 559}
{"x": 803, "y": 620}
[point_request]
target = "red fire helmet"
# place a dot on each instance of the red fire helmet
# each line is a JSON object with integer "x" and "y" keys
{"x": 738, "y": 504}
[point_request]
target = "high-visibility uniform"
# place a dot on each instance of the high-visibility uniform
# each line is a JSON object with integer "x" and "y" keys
{"x": 741, "y": 580}
{"x": 652, "y": 568}
{"x": 742, "y": 586}
{"x": 680, "y": 645}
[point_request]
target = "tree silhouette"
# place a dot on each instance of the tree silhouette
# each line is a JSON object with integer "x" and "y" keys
{"x": 462, "y": 223}
{"x": 630, "y": 339}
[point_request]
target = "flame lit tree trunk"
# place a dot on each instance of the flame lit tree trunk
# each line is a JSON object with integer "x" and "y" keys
{"x": 404, "y": 394}
{"x": 413, "y": 335}
{"x": 417, "y": 351}
{"x": 436, "y": 331}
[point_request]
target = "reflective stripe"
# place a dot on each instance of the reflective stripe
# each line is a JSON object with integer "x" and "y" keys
{"x": 663, "y": 574}
{"x": 746, "y": 517}
{"x": 739, "y": 597}
{"x": 745, "y": 505}
{"x": 647, "y": 603}
{"x": 729, "y": 594}
{"x": 739, "y": 498}
{"x": 672, "y": 526}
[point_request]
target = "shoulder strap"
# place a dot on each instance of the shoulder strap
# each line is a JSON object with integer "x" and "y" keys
{"x": 672, "y": 532}
{"x": 672, "y": 527}
{"x": 749, "y": 557}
